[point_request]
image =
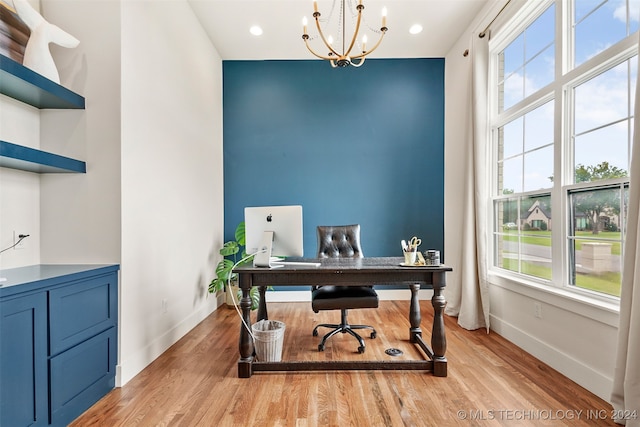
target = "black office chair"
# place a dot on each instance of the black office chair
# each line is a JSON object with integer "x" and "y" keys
{"x": 335, "y": 242}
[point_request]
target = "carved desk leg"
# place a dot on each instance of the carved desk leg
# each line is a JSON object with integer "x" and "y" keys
{"x": 262, "y": 304}
{"x": 438, "y": 338}
{"x": 246, "y": 344}
{"x": 414, "y": 314}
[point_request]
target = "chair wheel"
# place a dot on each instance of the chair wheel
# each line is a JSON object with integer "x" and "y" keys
{"x": 373, "y": 335}
{"x": 361, "y": 350}
{"x": 320, "y": 347}
{"x": 315, "y": 332}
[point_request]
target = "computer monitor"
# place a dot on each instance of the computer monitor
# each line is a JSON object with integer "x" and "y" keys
{"x": 273, "y": 231}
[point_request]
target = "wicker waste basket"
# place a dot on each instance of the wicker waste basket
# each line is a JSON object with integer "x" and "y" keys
{"x": 269, "y": 335}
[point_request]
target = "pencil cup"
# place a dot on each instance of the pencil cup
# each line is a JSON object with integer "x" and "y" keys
{"x": 410, "y": 258}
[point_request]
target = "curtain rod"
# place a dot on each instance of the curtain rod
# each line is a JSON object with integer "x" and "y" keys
{"x": 484, "y": 32}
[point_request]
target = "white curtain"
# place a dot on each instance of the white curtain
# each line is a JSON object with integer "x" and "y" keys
{"x": 625, "y": 396}
{"x": 469, "y": 299}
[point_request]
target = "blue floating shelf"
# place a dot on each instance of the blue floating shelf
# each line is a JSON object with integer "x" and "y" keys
{"x": 25, "y": 85}
{"x": 32, "y": 160}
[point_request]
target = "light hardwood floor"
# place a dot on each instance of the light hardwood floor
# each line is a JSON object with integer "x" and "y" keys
{"x": 490, "y": 381}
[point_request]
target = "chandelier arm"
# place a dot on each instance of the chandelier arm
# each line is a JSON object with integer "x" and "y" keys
{"x": 355, "y": 32}
{"x": 362, "y": 58}
{"x": 306, "y": 42}
{"x": 322, "y": 36}
{"x": 363, "y": 54}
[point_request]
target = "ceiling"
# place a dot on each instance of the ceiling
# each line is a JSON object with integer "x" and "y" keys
{"x": 227, "y": 23}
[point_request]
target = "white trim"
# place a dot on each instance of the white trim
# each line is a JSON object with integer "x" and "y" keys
{"x": 597, "y": 309}
{"x": 594, "y": 381}
{"x": 133, "y": 365}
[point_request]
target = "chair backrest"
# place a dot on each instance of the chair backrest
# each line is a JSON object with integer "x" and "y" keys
{"x": 340, "y": 241}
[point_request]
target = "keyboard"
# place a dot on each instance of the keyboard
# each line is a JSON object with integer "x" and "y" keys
{"x": 295, "y": 264}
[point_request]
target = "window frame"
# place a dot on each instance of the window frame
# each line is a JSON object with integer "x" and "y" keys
{"x": 560, "y": 91}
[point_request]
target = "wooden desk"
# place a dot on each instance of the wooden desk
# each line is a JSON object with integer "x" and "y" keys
{"x": 349, "y": 272}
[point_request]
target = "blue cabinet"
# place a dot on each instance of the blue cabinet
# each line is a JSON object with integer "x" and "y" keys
{"x": 58, "y": 341}
{"x": 23, "y": 361}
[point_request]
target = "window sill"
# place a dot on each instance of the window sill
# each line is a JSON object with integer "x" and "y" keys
{"x": 603, "y": 311}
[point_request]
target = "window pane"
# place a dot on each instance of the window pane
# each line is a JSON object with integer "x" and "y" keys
{"x": 602, "y": 154}
{"x": 603, "y": 99}
{"x": 539, "y": 71}
{"x": 514, "y": 56}
{"x": 603, "y": 119}
{"x": 535, "y": 243}
{"x": 507, "y": 214}
{"x": 528, "y": 62}
{"x": 506, "y": 242}
{"x": 599, "y": 25}
{"x": 512, "y": 90}
{"x": 511, "y": 176}
{"x": 540, "y": 33}
{"x": 523, "y": 244}
{"x": 527, "y": 142}
{"x": 539, "y": 127}
{"x": 513, "y": 133}
{"x": 595, "y": 239}
{"x": 538, "y": 169}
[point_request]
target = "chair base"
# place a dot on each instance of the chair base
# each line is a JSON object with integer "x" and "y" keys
{"x": 344, "y": 327}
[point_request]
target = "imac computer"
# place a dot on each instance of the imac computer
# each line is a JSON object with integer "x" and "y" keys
{"x": 273, "y": 231}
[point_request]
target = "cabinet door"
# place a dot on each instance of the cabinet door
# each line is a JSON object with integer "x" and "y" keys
{"x": 23, "y": 361}
{"x": 81, "y": 375}
{"x": 82, "y": 310}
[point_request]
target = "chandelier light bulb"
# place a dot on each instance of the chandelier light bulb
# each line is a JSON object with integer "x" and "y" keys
{"x": 304, "y": 25}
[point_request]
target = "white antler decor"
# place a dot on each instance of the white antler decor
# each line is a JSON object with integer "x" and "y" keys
{"x": 36, "y": 54}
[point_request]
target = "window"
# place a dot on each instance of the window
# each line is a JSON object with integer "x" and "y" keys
{"x": 562, "y": 126}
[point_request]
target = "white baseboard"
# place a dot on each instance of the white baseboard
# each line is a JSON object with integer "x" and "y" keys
{"x": 133, "y": 365}
{"x": 574, "y": 369}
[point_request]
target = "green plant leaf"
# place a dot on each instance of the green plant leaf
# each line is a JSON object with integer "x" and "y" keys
{"x": 230, "y": 248}
{"x": 223, "y": 269}
{"x": 216, "y": 285}
{"x": 240, "y": 234}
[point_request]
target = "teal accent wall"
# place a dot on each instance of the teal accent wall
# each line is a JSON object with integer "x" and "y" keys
{"x": 356, "y": 145}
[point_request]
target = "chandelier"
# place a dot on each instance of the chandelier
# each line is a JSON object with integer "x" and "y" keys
{"x": 342, "y": 57}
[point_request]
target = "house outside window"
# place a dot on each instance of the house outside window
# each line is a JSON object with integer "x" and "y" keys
{"x": 562, "y": 92}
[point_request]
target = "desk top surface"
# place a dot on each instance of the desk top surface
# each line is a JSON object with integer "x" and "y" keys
{"x": 338, "y": 265}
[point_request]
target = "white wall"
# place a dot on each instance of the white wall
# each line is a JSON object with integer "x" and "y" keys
{"x": 81, "y": 212}
{"x": 19, "y": 190}
{"x": 172, "y": 188}
{"x": 574, "y": 336}
{"x": 151, "y": 134}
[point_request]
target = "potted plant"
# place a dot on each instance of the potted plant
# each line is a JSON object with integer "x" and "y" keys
{"x": 224, "y": 274}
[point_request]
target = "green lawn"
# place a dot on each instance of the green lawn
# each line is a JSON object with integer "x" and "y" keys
{"x": 543, "y": 238}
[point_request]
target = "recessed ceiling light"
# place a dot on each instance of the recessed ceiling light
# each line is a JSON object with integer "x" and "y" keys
{"x": 255, "y": 30}
{"x": 415, "y": 29}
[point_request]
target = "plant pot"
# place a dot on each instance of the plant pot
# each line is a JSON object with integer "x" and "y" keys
{"x": 231, "y": 290}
